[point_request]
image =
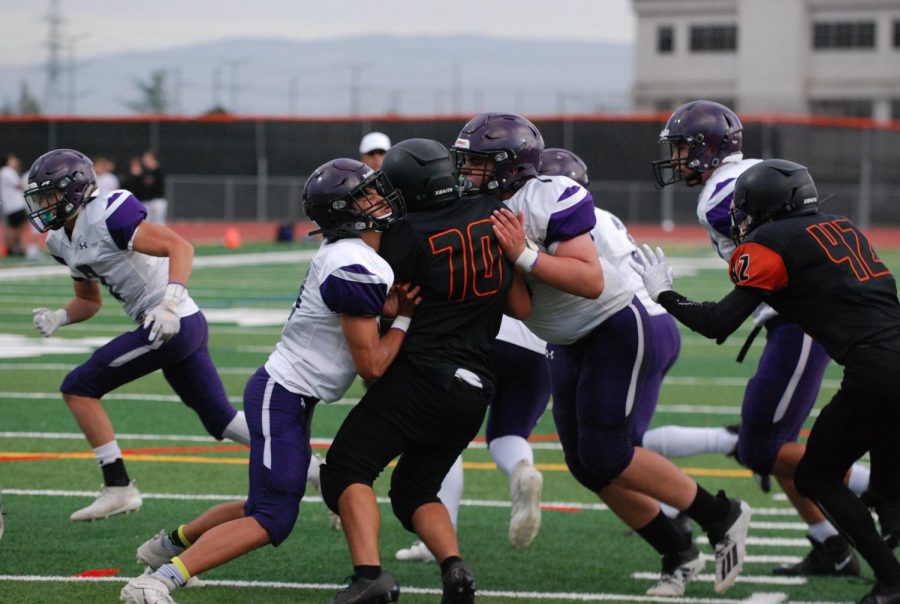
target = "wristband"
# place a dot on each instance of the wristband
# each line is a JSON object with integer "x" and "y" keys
{"x": 401, "y": 323}
{"x": 62, "y": 315}
{"x": 529, "y": 256}
{"x": 175, "y": 293}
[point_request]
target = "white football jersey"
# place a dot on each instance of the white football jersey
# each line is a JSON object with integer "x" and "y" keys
{"x": 312, "y": 357}
{"x": 557, "y": 209}
{"x": 100, "y": 250}
{"x": 714, "y": 203}
{"x": 514, "y": 331}
{"x": 616, "y": 245}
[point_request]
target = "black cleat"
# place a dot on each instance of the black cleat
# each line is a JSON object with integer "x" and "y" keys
{"x": 834, "y": 558}
{"x": 459, "y": 584}
{"x": 381, "y": 590}
{"x": 882, "y": 594}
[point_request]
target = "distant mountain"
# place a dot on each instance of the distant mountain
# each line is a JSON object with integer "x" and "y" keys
{"x": 368, "y": 75}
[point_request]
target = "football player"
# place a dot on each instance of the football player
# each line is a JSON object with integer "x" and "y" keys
{"x": 595, "y": 328}
{"x": 145, "y": 267}
{"x": 821, "y": 273}
{"x": 703, "y": 142}
{"x": 329, "y": 337}
{"x": 431, "y": 402}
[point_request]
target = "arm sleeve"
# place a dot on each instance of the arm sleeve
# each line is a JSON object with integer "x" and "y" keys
{"x": 713, "y": 319}
{"x": 354, "y": 290}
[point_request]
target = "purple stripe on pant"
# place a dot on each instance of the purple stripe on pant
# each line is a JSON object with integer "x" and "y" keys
{"x": 185, "y": 363}
{"x": 592, "y": 381}
{"x": 666, "y": 346}
{"x": 279, "y": 423}
{"x": 522, "y": 392}
{"x": 780, "y": 396}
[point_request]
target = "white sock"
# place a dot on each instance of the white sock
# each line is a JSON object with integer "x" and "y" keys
{"x": 312, "y": 472}
{"x": 821, "y": 531}
{"x": 108, "y": 453}
{"x": 452, "y": 489}
{"x": 508, "y": 451}
{"x": 668, "y": 510}
{"x": 859, "y": 479}
{"x": 237, "y": 429}
{"x": 678, "y": 441}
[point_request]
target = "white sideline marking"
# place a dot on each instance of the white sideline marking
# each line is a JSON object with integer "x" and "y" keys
{"x": 769, "y": 541}
{"x": 780, "y": 526}
{"x": 709, "y": 578}
{"x": 764, "y": 598}
{"x": 519, "y": 595}
{"x": 762, "y": 559}
{"x": 488, "y": 503}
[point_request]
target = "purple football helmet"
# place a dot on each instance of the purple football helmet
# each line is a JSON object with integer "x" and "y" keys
{"x": 562, "y": 162}
{"x": 503, "y": 148}
{"x": 708, "y": 131}
{"x": 59, "y": 183}
{"x": 333, "y": 191}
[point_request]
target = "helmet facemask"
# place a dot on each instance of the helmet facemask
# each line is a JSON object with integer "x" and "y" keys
{"x": 51, "y": 204}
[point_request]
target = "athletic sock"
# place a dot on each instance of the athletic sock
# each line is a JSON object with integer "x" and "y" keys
{"x": 679, "y": 441}
{"x": 507, "y": 451}
{"x": 367, "y": 572}
{"x": 859, "y": 479}
{"x": 114, "y": 474}
{"x": 452, "y": 490}
{"x": 237, "y": 429}
{"x": 175, "y": 571}
{"x": 820, "y": 531}
{"x": 663, "y": 536}
{"x": 706, "y": 509}
{"x": 177, "y": 538}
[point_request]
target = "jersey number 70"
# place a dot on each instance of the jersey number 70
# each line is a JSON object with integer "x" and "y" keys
{"x": 474, "y": 260}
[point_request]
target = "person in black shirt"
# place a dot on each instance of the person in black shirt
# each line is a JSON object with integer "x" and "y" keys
{"x": 820, "y": 272}
{"x": 432, "y": 400}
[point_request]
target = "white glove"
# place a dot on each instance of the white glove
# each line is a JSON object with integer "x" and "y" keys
{"x": 762, "y": 314}
{"x": 653, "y": 269}
{"x": 47, "y": 321}
{"x": 164, "y": 316}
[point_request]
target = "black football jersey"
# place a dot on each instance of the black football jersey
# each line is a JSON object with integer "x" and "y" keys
{"x": 452, "y": 252}
{"x": 823, "y": 274}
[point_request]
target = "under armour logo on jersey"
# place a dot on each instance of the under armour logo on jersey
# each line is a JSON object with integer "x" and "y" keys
{"x": 549, "y": 355}
{"x": 82, "y": 244}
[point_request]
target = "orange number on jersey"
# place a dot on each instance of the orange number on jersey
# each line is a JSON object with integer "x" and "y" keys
{"x": 844, "y": 245}
{"x": 474, "y": 263}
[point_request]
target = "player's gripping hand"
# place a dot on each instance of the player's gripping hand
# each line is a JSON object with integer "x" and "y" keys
{"x": 653, "y": 269}
{"x": 162, "y": 319}
{"x": 48, "y": 321}
{"x": 407, "y": 299}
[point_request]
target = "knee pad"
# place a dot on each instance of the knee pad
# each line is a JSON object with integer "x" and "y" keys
{"x": 333, "y": 485}
{"x": 405, "y": 504}
{"x": 74, "y": 384}
{"x": 583, "y": 477}
{"x": 277, "y": 513}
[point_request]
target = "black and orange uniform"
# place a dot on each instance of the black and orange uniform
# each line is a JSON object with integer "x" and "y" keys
{"x": 822, "y": 273}
{"x": 432, "y": 400}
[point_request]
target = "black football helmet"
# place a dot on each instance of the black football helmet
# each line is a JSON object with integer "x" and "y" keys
{"x": 710, "y": 131}
{"x": 562, "y": 162}
{"x": 335, "y": 190}
{"x": 424, "y": 172}
{"x": 59, "y": 183}
{"x": 771, "y": 190}
{"x": 512, "y": 142}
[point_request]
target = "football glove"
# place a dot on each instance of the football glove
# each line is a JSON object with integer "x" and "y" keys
{"x": 162, "y": 319}
{"x": 48, "y": 321}
{"x": 653, "y": 269}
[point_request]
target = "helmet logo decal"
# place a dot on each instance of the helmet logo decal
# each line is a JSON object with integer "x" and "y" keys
{"x": 462, "y": 143}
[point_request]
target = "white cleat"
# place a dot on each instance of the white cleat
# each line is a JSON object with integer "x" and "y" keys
{"x": 313, "y": 477}
{"x": 677, "y": 571}
{"x": 156, "y": 551}
{"x": 417, "y": 552}
{"x": 525, "y": 487}
{"x": 147, "y": 589}
{"x": 112, "y": 500}
{"x": 730, "y": 542}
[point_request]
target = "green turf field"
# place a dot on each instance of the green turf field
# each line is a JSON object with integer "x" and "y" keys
{"x": 583, "y": 553}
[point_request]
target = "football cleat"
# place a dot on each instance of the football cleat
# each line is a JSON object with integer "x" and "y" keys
{"x": 157, "y": 550}
{"x": 459, "y": 584}
{"x": 882, "y": 594}
{"x": 677, "y": 571}
{"x": 147, "y": 589}
{"x": 525, "y": 487}
{"x": 833, "y": 558}
{"x": 417, "y": 552}
{"x": 111, "y": 501}
{"x": 729, "y": 538}
{"x": 381, "y": 590}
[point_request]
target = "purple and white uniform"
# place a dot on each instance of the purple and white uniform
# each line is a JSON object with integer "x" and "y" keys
{"x": 100, "y": 250}
{"x": 615, "y": 244}
{"x": 782, "y": 392}
{"x": 598, "y": 349}
{"x": 311, "y": 362}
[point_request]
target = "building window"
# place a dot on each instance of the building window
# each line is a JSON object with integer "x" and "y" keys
{"x": 842, "y": 107}
{"x": 665, "y": 40}
{"x": 714, "y": 38}
{"x": 845, "y": 34}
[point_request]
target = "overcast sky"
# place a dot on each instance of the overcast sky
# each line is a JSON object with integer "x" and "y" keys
{"x": 110, "y": 26}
